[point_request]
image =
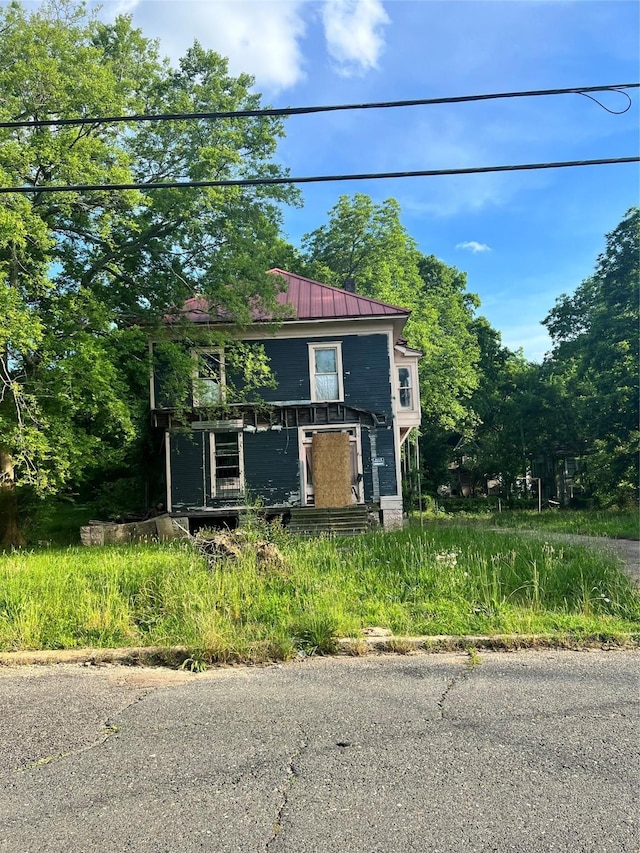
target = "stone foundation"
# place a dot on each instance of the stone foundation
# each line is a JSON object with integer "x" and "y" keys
{"x": 391, "y": 512}
{"x": 392, "y": 519}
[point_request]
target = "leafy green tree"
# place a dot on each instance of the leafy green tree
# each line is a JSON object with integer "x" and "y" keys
{"x": 595, "y": 355}
{"x": 79, "y": 272}
{"x": 526, "y": 423}
{"x": 583, "y": 400}
{"x": 367, "y": 242}
{"x": 444, "y": 320}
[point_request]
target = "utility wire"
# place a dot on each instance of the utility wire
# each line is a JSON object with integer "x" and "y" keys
{"x": 292, "y": 111}
{"x": 315, "y": 179}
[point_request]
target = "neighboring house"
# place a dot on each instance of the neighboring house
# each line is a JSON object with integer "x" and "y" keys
{"x": 328, "y": 435}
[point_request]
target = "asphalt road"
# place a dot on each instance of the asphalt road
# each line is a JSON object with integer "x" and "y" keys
{"x": 523, "y": 752}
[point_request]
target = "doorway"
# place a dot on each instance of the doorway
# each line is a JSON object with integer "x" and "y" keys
{"x": 324, "y": 466}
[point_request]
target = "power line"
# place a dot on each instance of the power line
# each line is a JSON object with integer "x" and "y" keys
{"x": 292, "y": 111}
{"x": 314, "y": 179}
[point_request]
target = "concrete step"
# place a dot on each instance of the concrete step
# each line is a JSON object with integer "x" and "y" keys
{"x": 341, "y": 521}
{"x": 329, "y": 512}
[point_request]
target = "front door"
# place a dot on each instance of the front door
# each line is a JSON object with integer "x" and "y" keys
{"x": 328, "y": 468}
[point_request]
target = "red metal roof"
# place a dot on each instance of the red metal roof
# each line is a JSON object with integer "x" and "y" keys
{"x": 195, "y": 310}
{"x": 310, "y": 300}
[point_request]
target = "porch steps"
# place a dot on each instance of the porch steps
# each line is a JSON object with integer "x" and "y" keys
{"x": 318, "y": 521}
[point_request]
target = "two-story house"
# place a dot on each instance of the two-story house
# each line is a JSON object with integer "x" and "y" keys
{"x": 328, "y": 434}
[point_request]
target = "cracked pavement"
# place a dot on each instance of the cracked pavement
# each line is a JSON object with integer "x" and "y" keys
{"x": 524, "y": 752}
{"x": 292, "y": 771}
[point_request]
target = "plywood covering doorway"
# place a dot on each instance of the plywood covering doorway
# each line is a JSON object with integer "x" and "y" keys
{"x": 331, "y": 466}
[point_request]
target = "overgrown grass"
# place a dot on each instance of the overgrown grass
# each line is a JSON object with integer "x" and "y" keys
{"x": 443, "y": 581}
{"x": 615, "y": 524}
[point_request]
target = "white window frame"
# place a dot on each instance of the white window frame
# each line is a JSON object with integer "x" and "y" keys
{"x": 212, "y": 462}
{"x": 313, "y": 348}
{"x": 305, "y": 440}
{"x": 412, "y": 387}
{"x": 195, "y": 355}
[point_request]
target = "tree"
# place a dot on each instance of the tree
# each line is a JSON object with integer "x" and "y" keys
{"x": 80, "y": 271}
{"x": 595, "y": 355}
{"x": 367, "y": 241}
{"x": 444, "y": 312}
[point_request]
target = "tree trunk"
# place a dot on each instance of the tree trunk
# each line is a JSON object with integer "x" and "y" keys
{"x": 10, "y": 533}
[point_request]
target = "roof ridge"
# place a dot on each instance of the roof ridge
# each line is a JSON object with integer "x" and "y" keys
{"x": 341, "y": 290}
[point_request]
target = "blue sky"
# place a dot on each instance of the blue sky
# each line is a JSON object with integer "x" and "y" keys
{"x": 523, "y": 238}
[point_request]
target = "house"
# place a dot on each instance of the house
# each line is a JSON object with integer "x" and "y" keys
{"x": 328, "y": 434}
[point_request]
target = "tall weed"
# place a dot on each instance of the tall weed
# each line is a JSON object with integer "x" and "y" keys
{"x": 435, "y": 581}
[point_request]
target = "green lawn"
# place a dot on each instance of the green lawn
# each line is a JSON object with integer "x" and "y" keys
{"x": 615, "y": 524}
{"x": 447, "y": 580}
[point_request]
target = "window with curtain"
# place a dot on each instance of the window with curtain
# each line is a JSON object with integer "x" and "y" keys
{"x": 404, "y": 388}
{"x": 326, "y": 370}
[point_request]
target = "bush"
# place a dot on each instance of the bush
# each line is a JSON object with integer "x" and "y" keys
{"x": 469, "y": 505}
{"x": 119, "y": 499}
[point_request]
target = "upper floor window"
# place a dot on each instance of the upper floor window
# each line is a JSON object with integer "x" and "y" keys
{"x": 208, "y": 376}
{"x": 405, "y": 388}
{"x": 325, "y": 369}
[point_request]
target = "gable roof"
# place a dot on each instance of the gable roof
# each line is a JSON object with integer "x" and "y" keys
{"x": 310, "y": 300}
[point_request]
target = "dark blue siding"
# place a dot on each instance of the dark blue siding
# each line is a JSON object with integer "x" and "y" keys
{"x": 383, "y": 441}
{"x": 271, "y": 466}
{"x": 160, "y": 389}
{"x": 386, "y": 472}
{"x": 365, "y": 365}
{"x": 366, "y": 376}
{"x": 188, "y": 460}
{"x": 289, "y": 361}
{"x": 367, "y": 475}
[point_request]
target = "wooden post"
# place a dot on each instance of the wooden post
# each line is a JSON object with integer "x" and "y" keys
{"x": 538, "y": 480}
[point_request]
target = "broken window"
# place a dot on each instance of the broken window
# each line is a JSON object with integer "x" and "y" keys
{"x": 227, "y": 474}
{"x": 208, "y": 377}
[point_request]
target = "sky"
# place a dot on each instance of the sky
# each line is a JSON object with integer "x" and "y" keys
{"x": 522, "y": 238}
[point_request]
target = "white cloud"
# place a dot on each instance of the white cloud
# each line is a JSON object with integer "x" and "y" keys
{"x": 263, "y": 38}
{"x": 259, "y": 37}
{"x": 473, "y": 246}
{"x": 353, "y": 30}
{"x": 122, "y": 7}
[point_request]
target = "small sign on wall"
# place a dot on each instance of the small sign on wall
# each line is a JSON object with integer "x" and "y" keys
{"x": 378, "y": 460}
